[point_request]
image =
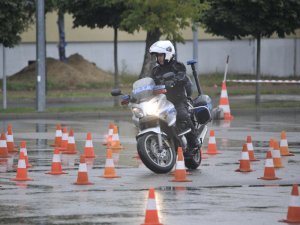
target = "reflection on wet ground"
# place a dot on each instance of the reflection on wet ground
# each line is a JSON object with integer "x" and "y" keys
{"x": 216, "y": 195}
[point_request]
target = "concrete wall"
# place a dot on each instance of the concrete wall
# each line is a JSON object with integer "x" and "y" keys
{"x": 279, "y": 57}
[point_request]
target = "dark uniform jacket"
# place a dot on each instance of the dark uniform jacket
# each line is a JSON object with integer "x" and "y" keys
{"x": 182, "y": 89}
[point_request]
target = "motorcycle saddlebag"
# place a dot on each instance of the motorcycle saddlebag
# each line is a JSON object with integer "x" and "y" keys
{"x": 202, "y": 109}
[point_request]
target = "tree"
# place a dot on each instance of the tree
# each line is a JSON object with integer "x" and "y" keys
{"x": 60, "y": 7}
{"x": 235, "y": 19}
{"x": 159, "y": 18}
{"x": 15, "y": 18}
{"x": 98, "y": 14}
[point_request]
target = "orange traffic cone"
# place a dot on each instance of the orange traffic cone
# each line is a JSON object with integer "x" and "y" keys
{"x": 24, "y": 150}
{"x": 284, "y": 146}
{"x": 212, "y": 145}
{"x": 21, "y": 170}
{"x": 276, "y": 154}
{"x": 89, "y": 148}
{"x": 115, "y": 142}
{"x": 180, "y": 171}
{"x": 3, "y": 146}
{"x": 269, "y": 173}
{"x": 109, "y": 170}
{"x": 71, "y": 147}
{"x": 293, "y": 214}
{"x": 82, "y": 177}
{"x": 174, "y": 167}
{"x": 151, "y": 217}
{"x": 108, "y": 138}
{"x": 224, "y": 102}
{"x": 10, "y": 139}
{"x": 56, "y": 164}
{"x": 58, "y": 136}
{"x": 245, "y": 161}
{"x": 250, "y": 149}
{"x": 64, "y": 139}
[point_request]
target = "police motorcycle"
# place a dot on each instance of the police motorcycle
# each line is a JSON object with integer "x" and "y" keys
{"x": 155, "y": 118}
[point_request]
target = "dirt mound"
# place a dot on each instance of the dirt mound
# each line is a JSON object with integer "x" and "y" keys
{"x": 76, "y": 72}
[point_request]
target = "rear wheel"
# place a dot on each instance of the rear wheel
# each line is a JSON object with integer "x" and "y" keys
{"x": 193, "y": 162}
{"x": 157, "y": 160}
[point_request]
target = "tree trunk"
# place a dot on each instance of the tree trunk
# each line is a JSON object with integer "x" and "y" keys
{"x": 61, "y": 31}
{"x": 149, "y": 62}
{"x": 257, "y": 96}
{"x": 116, "y": 75}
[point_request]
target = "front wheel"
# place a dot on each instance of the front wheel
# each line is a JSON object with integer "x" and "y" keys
{"x": 157, "y": 160}
{"x": 193, "y": 162}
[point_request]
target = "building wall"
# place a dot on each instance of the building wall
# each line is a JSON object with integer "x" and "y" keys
{"x": 279, "y": 57}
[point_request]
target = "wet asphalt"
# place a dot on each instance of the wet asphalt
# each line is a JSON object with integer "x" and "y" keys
{"x": 216, "y": 194}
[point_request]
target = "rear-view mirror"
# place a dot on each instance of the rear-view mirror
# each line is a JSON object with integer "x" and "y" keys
{"x": 116, "y": 92}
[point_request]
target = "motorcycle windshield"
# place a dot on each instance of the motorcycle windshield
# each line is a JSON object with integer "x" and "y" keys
{"x": 143, "y": 89}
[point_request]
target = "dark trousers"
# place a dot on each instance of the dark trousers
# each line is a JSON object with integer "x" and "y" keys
{"x": 184, "y": 122}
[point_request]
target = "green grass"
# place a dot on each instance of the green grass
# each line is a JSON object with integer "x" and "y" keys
{"x": 233, "y": 105}
{"x": 210, "y": 84}
{"x": 20, "y": 110}
{"x": 273, "y": 104}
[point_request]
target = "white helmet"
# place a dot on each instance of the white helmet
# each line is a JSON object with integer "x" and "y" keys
{"x": 165, "y": 47}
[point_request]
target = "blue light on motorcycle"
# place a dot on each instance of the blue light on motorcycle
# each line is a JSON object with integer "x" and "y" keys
{"x": 125, "y": 100}
{"x": 159, "y": 89}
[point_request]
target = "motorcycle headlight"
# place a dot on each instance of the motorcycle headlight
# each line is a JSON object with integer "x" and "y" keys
{"x": 137, "y": 112}
{"x": 151, "y": 109}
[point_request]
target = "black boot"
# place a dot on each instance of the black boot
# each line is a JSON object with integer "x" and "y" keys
{"x": 193, "y": 143}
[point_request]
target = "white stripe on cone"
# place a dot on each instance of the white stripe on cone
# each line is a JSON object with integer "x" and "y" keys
{"x": 151, "y": 205}
{"x": 245, "y": 156}
{"x": 56, "y": 158}
{"x": 71, "y": 140}
{"x": 24, "y": 150}
{"x": 276, "y": 153}
{"x": 294, "y": 201}
{"x": 283, "y": 143}
{"x": 82, "y": 167}
{"x": 180, "y": 165}
{"x": 65, "y": 136}
{"x": 89, "y": 144}
{"x": 225, "y": 108}
{"x": 3, "y": 144}
{"x": 212, "y": 140}
{"x": 9, "y": 138}
{"x": 269, "y": 163}
{"x": 250, "y": 146}
{"x": 21, "y": 163}
{"x": 115, "y": 137}
{"x": 224, "y": 94}
{"x": 109, "y": 163}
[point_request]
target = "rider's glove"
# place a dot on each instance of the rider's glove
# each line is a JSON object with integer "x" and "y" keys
{"x": 170, "y": 83}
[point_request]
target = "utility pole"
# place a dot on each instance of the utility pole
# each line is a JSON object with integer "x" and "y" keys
{"x": 4, "y": 79}
{"x": 40, "y": 57}
{"x": 195, "y": 45}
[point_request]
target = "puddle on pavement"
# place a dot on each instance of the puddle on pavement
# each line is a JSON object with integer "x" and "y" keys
{"x": 109, "y": 204}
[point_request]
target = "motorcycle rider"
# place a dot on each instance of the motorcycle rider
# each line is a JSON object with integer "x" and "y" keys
{"x": 178, "y": 93}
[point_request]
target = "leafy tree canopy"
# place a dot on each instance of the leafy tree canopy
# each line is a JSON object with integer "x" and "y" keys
{"x": 15, "y": 17}
{"x": 96, "y": 13}
{"x": 168, "y": 16}
{"x": 239, "y": 18}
